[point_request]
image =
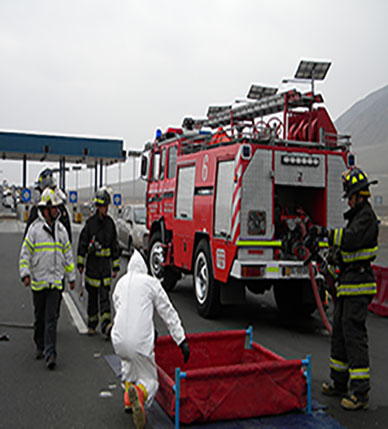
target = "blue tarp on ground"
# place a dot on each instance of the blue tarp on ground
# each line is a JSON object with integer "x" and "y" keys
{"x": 296, "y": 420}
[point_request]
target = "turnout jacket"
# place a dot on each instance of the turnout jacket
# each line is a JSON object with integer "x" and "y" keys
{"x": 98, "y": 250}
{"x": 357, "y": 243}
{"x": 46, "y": 255}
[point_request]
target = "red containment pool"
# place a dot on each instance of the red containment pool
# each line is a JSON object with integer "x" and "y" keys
{"x": 225, "y": 379}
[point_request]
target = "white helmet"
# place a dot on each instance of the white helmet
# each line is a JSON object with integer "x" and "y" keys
{"x": 61, "y": 194}
{"x": 49, "y": 199}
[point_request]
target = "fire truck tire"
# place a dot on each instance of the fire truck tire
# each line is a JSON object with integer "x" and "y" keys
{"x": 167, "y": 276}
{"x": 206, "y": 288}
{"x": 289, "y": 297}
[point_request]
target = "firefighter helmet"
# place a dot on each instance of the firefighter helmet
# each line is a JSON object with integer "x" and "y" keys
{"x": 61, "y": 194}
{"x": 49, "y": 199}
{"x": 45, "y": 180}
{"x": 101, "y": 197}
{"x": 355, "y": 180}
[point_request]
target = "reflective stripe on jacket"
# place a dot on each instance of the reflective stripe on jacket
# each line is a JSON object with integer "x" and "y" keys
{"x": 98, "y": 250}
{"x": 45, "y": 257}
{"x": 358, "y": 246}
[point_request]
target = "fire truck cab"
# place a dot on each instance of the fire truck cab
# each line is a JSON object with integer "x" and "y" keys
{"x": 229, "y": 199}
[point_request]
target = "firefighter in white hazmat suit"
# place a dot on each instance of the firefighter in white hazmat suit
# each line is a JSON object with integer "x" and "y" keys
{"x": 135, "y": 297}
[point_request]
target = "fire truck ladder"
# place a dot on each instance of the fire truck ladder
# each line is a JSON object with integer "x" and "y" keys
{"x": 268, "y": 105}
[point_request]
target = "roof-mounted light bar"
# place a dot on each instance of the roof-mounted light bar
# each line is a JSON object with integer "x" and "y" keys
{"x": 316, "y": 70}
{"x": 257, "y": 92}
{"x": 214, "y": 110}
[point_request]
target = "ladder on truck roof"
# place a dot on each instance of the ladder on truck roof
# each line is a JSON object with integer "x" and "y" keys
{"x": 267, "y": 105}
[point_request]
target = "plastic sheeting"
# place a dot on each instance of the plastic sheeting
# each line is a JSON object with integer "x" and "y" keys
{"x": 224, "y": 380}
{"x": 379, "y": 304}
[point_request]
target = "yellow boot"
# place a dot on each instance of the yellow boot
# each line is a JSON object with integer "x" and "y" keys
{"x": 127, "y": 402}
{"x": 137, "y": 394}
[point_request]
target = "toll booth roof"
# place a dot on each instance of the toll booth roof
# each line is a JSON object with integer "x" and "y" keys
{"x": 50, "y": 147}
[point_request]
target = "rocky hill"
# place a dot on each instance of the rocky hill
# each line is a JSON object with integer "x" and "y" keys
{"x": 367, "y": 122}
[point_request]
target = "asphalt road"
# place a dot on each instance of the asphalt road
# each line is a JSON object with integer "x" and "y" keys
{"x": 83, "y": 391}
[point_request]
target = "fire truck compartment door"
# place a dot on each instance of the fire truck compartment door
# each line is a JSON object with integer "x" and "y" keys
{"x": 336, "y": 205}
{"x": 299, "y": 169}
{"x": 183, "y": 240}
{"x": 185, "y": 193}
{"x": 223, "y": 206}
{"x": 257, "y": 196}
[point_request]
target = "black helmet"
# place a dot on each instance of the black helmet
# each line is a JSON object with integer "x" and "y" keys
{"x": 355, "y": 180}
{"x": 45, "y": 180}
{"x": 101, "y": 197}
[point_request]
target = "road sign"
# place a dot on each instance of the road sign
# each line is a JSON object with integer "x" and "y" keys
{"x": 73, "y": 197}
{"x": 117, "y": 199}
{"x": 26, "y": 195}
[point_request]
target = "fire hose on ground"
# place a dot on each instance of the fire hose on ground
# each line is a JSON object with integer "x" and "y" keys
{"x": 318, "y": 300}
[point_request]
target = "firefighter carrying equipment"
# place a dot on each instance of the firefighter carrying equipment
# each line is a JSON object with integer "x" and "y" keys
{"x": 356, "y": 285}
{"x": 355, "y": 180}
{"x": 135, "y": 297}
{"x": 98, "y": 250}
{"x": 46, "y": 254}
{"x": 102, "y": 197}
{"x": 45, "y": 179}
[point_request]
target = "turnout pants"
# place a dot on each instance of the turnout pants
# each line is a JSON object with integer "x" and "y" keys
{"x": 349, "y": 345}
{"x": 46, "y": 304}
{"x": 98, "y": 299}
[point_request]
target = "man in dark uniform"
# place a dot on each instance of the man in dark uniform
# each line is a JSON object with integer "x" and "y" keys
{"x": 356, "y": 285}
{"x": 99, "y": 252}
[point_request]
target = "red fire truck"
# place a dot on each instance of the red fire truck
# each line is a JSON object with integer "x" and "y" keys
{"x": 229, "y": 198}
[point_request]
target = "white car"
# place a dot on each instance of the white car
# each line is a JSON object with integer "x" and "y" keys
{"x": 131, "y": 227}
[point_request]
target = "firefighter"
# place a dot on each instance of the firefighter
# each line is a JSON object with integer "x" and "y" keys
{"x": 45, "y": 257}
{"x": 98, "y": 250}
{"x": 356, "y": 285}
{"x": 46, "y": 179}
{"x": 135, "y": 297}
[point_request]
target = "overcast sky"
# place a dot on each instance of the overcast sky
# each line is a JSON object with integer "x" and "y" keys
{"x": 123, "y": 68}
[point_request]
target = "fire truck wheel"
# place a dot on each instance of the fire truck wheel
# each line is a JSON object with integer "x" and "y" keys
{"x": 167, "y": 276}
{"x": 206, "y": 288}
{"x": 294, "y": 298}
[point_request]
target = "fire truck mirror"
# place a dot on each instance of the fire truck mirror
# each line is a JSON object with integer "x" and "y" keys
{"x": 144, "y": 167}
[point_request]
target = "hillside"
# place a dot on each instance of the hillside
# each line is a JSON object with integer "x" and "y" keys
{"x": 367, "y": 122}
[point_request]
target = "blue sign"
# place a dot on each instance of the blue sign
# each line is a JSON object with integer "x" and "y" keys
{"x": 117, "y": 199}
{"x": 73, "y": 197}
{"x": 26, "y": 195}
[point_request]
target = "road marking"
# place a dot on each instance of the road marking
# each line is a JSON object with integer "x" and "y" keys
{"x": 74, "y": 313}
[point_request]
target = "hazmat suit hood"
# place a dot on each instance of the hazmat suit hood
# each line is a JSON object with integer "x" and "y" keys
{"x": 137, "y": 264}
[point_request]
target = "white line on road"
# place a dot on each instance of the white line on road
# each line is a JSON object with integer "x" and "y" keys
{"x": 74, "y": 313}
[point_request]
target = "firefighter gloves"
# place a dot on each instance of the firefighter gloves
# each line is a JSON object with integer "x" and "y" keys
{"x": 318, "y": 231}
{"x": 184, "y": 346}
